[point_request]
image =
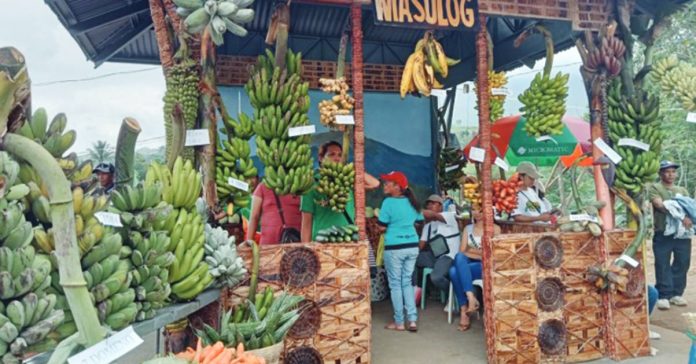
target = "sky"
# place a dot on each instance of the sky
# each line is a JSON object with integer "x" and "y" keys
{"x": 96, "y": 100}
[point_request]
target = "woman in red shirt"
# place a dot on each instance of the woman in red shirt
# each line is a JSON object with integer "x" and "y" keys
{"x": 264, "y": 206}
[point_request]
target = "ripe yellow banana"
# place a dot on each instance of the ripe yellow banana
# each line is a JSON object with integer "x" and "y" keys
{"x": 419, "y": 77}
{"x": 407, "y": 76}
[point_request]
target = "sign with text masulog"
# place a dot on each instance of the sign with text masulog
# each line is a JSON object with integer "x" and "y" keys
{"x": 447, "y": 14}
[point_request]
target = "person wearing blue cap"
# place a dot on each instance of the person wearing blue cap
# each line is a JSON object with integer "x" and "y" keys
{"x": 672, "y": 255}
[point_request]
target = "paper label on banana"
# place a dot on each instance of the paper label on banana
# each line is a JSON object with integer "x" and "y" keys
{"x": 691, "y": 117}
{"x": 196, "y": 137}
{"x": 583, "y": 217}
{"x": 632, "y": 262}
{"x": 634, "y": 143}
{"x": 301, "y": 130}
{"x": 501, "y": 163}
{"x": 109, "y": 218}
{"x": 500, "y": 91}
{"x": 345, "y": 119}
{"x": 607, "y": 150}
{"x": 109, "y": 349}
{"x": 240, "y": 185}
{"x": 477, "y": 154}
{"x": 451, "y": 168}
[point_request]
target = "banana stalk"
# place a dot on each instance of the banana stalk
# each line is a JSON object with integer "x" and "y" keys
{"x": 125, "y": 151}
{"x": 642, "y": 230}
{"x": 178, "y": 136}
{"x": 340, "y": 70}
{"x": 208, "y": 117}
{"x": 66, "y": 249}
{"x": 14, "y": 88}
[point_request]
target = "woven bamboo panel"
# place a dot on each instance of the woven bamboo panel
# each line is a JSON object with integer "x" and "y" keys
{"x": 584, "y": 14}
{"x": 628, "y": 332}
{"x": 340, "y": 289}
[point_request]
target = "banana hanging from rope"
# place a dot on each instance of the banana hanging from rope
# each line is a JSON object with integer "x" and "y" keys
{"x": 427, "y": 60}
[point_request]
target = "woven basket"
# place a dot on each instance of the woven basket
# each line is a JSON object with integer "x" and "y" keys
{"x": 270, "y": 353}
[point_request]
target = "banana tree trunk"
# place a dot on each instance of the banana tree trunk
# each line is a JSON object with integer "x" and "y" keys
{"x": 63, "y": 217}
{"x": 164, "y": 40}
{"x": 14, "y": 89}
{"x": 340, "y": 72}
{"x": 125, "y": 151}
{"x": 208, "y": 117}
{"x": 359, "y": 135}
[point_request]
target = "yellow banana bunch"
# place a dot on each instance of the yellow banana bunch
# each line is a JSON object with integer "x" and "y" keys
{"x": 678, "y": 79}
{"x": 427, "y": 60}
{"x": 181, "y": 186}
{"x": 496, "y": 102}
{"x": 472, "y": 192}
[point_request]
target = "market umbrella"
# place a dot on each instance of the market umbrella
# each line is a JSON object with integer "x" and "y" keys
{"x": 515, "y": 145}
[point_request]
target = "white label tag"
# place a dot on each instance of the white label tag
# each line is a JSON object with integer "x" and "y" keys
{"x": 691, "y": 117}
{"x": 345, "y": 119}
{"x": 477, "y": 154}
{"x": 240, "y": 185}
{"x": 109, "y": 349}
{"x": 632, "y": 262}
{"x": 634, "y": 143}
{"x": 196, "y": 137}
{"x": 583, "y": 217}
{"x": 109, "y": 218}
{"x": 451, "y": 168}
{"x": 500, "y": 91}
{"x": 606, "y": 149}
{"x": 301, "y": 130}
{"x": 502, "y": 164}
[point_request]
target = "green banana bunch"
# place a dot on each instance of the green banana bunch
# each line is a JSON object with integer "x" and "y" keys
{"x": 221, "y": 255}
{"x": 52, "y": 137}
{"x": 544, "y": 104}
{"x": 25, "y": 324}
{"x": 338, "y": 234}
{"x": 129, "y": 198}
{"x": 151, "y": 259}
{"x": 281, "y": 101}
{"x": 218, "y": 16}
{"x": 335, "y": 185}
{"x": 449, "y": 175}
{"x": 676, "y": 78}
{"x": 181, "y": 186}
{"x": 256, "y": 325}
{"x": 637, "y": 118}
{"x": 234, "y": 161}
{"x": 182, "y": 81}
{"x": 15, "y": 231}
{"x": 9, "y": 171}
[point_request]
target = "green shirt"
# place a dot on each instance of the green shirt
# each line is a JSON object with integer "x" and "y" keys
{"x": 665, "y": 193}
{"x": 323, "y": 217}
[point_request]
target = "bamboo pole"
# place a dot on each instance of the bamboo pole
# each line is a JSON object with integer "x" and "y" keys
{"x": 125, "y": 151}
{"x": 164, "y": 43}
{"x": 359, "y": 130}
{"x": 208, "y": 118}
{"x": 63, "y": 217}
{"x": 486, "y": 184}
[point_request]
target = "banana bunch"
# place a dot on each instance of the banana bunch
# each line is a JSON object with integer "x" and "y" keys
{"x": 335, "y": 185}
{"x": 608, "y": 56}
{"x": 256, "y": 325}
{"x": 637, "y": 118}
{"x": 15, "y": 231}
{"x": 496, "y": 102}
{"x": 234, "y": 160}
{"x": 221, "y": 255}
{"x": 338, "y": 234}
{"x": 219, "y": 16}
{"x": 137, "y": 198}
{"x": 281, "y": 102}
{"x": 188, "y": 274}
{"x": 676, "y": 78}
{"x": 52, "y": 137}
{"x": 471, "y": 191}
{"x": 182, "y": 81}
{"x": 544, "y": 104}
{"x": 427, "y": 60}
{"x": 449, "y": 176}
{"x": 23, "y": 271}
{"x": 151, "y": 260}
{"x": 340, "y": 104}
{"x": 25, "y": 325}
{"x": 180, "y": 187}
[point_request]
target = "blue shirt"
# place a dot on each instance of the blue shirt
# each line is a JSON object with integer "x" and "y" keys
{"x": 398, "y": 216}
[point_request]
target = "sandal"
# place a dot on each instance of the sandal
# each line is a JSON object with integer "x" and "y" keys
{"x": 412, "y": 327}
{"x": 466, "y": 326}
{"x": 473, "y": 306}
{"x": 394, "y": 327}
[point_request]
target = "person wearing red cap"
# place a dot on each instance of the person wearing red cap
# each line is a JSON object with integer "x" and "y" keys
{"x": 399, "y": 212}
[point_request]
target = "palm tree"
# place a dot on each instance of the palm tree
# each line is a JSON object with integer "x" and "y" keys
{"x": 101, "y": 152}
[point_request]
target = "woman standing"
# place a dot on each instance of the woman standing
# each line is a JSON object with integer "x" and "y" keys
{"x": 467, "y": 268}
{"x": 399, "y": 212}
{"x": 276, "y": 214}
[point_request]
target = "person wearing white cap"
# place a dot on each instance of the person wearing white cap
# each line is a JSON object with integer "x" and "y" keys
{"x": 531, "y": 207}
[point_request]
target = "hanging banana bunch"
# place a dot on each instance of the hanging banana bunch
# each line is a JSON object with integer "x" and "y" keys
{"x": 234, "y": 160}
{"x": 340, "y": 104}
{"x": 281, "y": 102}
{"x": 678, "y": 79}
{"x": 219, "y": 16}
{"x": 182, "y": 81}
{"x": 427, "y": 60}
{"x": 544, "y": 100}
{"x": 635, "y": 118}
{"x": 450, "y": 167}
{"x": 496, "y": 103}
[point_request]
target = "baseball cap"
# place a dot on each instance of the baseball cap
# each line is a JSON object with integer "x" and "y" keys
{"x": 668, "y": 164}
{"x": 435, "y": 198}
{"x": 104, "y": 168}
{"x": 528, "y": 169}
{"x": 396, "y": 177}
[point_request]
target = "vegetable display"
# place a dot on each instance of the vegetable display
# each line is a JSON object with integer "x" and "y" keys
{"x": 338, "y": 234}
{"x": 505, "y": 194}
{"x": 217, "y": 353}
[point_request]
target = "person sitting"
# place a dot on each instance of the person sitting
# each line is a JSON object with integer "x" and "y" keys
{"x": 449, "y": 229}
{"x": 467, "y": 268}
{"x": 530, "y": 206}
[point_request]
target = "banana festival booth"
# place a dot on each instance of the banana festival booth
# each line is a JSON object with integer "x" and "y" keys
{"x": 253, "y": 88}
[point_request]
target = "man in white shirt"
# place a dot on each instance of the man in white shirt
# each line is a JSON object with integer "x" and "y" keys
{"x": 530, "y": 206}
{"x": 449, "y": 229}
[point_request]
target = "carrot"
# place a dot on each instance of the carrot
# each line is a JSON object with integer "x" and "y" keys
{"x": 199, "y": 350}
{"x": 212, "y": 352}
{"x": 240, "y": 350}
{"x": 225, "y": 357}
{"x": 188, "y": 354}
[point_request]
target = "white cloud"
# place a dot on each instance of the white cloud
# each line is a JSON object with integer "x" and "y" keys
{"x": 94, "y": 108}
